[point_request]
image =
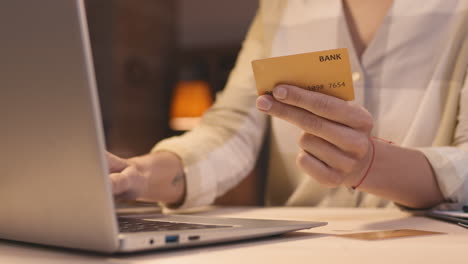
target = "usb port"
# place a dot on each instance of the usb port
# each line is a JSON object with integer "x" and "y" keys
{"x": 172, "y": 239}
{"x": 193, "y": 238}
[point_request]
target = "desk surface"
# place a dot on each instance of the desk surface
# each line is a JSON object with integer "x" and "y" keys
{"x": 317, "y": 244}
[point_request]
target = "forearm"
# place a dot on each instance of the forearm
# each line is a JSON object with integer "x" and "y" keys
{"x": 165, "y": 177}
{"x": 403, "y": 176}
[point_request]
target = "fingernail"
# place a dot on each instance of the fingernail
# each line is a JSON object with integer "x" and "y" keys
{"x": 264, "y": 103}
{"x": 280, "y": 92}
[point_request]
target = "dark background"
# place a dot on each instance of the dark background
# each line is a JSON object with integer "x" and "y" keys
{"x": 141, "y": 48}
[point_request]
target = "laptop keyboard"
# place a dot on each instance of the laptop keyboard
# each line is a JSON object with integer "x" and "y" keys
{"x": 128, "y": 225}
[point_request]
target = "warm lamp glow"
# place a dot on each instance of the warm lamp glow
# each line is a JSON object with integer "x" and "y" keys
{"x": 191, "y": 99}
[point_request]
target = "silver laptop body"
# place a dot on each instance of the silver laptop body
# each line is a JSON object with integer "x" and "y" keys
{"x": 54, "y": 188}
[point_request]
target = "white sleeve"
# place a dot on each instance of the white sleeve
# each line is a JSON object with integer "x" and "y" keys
{"x": 223, "y": 149}
{"x": 450, "y": 163}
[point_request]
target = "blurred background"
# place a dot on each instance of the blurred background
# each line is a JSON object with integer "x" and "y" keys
{"x": 159, "y": 63}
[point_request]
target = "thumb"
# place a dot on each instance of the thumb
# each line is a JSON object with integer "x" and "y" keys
{"x": 116, "y": 164}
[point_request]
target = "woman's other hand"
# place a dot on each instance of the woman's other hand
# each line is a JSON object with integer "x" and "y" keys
{"x": 128, "y": 182}
{"x": 335, "y": 143}
{"x": 157, "y": 176}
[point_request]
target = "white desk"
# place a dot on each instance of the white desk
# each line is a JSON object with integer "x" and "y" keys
{"x": 316, "y": 245}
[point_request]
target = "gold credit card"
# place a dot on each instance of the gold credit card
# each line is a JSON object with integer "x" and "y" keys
{"x": 378, "y": 235}
{"x": 327, "y": 72}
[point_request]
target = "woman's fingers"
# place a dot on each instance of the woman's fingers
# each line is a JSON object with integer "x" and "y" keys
{"x": 318, "y": 170}
{"x": 116, "y": 164}
{"x": 342, "y": 136}
{"x": 326, "y": 106}
{"x": 328, "y": 153}
{"x": 127, "y": 184}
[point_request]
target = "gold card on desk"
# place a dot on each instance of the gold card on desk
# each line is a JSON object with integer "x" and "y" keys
{"x": 387, "y": 234}
{"x": 327, "y": 72}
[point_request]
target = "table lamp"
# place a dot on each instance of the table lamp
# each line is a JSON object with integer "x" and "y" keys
{"x": 190, "y": 100}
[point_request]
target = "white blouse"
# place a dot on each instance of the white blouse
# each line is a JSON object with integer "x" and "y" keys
{"x": 412, "y": 78}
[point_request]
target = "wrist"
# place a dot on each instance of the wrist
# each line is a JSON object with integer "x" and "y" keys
{"x": 367, "y": 168}
{"x": 376, "y": 156}
{"x": 160, "y": 169}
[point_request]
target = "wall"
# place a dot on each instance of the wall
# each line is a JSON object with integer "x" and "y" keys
{"x": 214, "y": 22}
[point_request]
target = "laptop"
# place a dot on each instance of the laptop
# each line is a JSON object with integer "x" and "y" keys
{"x": 54, "y": 186}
